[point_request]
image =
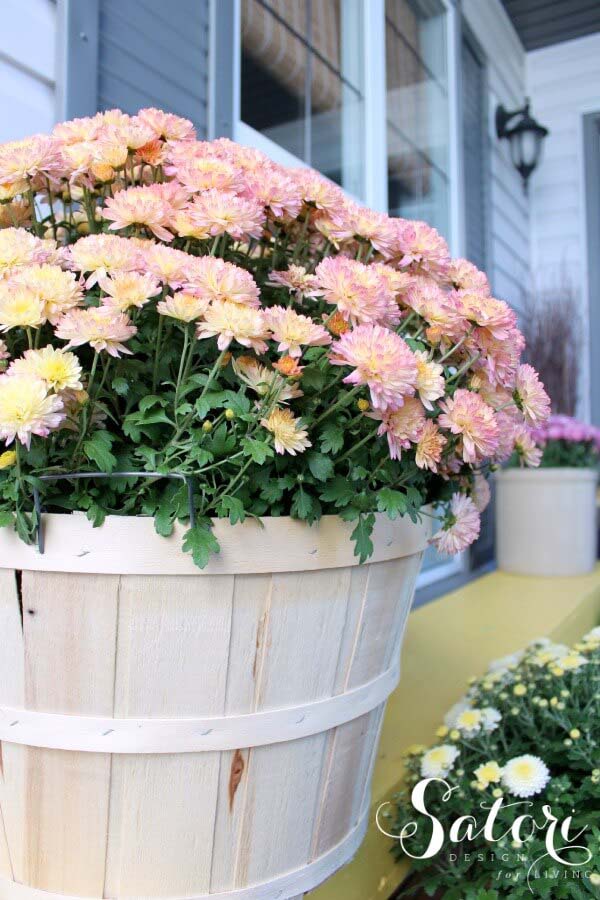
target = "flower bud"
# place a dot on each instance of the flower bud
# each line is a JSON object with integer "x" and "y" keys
{"x": 207, "y": 426}
{"x": 229, "y": 414}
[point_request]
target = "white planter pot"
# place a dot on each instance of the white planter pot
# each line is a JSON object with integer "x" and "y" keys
{"x": 172, "y": 733}
{"x": 546, "y": 521}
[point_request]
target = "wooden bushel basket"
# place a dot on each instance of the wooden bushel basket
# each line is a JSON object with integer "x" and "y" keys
{"x": 172, "y": 733}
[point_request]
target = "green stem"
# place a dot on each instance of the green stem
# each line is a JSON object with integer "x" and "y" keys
{"x": 159, "y": 333}
{"x": 457, "y": 345}
{"x": 361, "y": 443}
{"x": 344, "y": 401}
{"x": 182, "y": 362}
{"x": 464, "y": 368}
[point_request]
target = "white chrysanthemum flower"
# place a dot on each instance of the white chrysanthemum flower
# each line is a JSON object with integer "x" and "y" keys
{"x": 60, "y": 369}
{"x": 26, "y": 408}
{"x": 548, "y": 653}
{"x": 505, "y": 663}
{"x": 593, "y": 635}
{"x": 439, "y": 761}
{"x": 454, "y": 711}
{"x": 525, "y": 776}
{"x": 570, "y": 662}
{"x": 470, "y": 721}
{"x": 491, "y": 719}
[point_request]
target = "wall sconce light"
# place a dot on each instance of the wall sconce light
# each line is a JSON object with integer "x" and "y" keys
{"x": 525, "y": 137}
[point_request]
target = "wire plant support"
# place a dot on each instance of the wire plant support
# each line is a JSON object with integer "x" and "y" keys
{"x": 67, "y": 476}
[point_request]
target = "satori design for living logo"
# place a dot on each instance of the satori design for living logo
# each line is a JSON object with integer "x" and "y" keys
{"x": 506, "y": 802}
{"x": 560, "y": 837}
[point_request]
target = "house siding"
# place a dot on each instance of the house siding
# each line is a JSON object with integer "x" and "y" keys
{"x": 507, "y": 206}
{"x": 564, "y": 85}
{"x": 27, "y": 68}
{"x": 155, "y": 54}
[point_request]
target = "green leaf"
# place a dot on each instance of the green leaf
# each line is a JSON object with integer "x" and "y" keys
{"x": 120, "y": 386}
{"x": 201, "y": 543}
{"x": 304, "y": 506}
{"x": 211, "y": 400}
{"x": 150, "y": 401}
{"x": 6, "y": 518}
{"x": 258, "y": 450}
{"x": 320, "y": 465}
{"x": 313, "y": 378}
{"x": 163, "y": 521}
{"x": 98, "y": 450}
{"x": 96, "y": 514}
{"x": 338, "y": 491}
{"x": 232, "y": 507}
{"x": 391, "y": 502}
{"x": 331, "y": 438}
{"x": 363, "y": 545}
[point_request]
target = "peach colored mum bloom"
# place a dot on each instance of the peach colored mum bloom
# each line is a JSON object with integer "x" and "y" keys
{"x": 359, "y": 292}
{"x": 165, "y": 263}
{"x": 293, "y": 331}
{"x": 201, "y": 173}
{"x": 429, "y": 447}
{"x": 126, "y": 289}
{"x": 274, "y": 190}
{"x": 381, "y": 360}
{"x": 288, "y": 433}
{"x": 217, "y": 279}
{"x": 263, "y": 380}
{"x": 467, "y": 415}
{"x": 421, "y": 247}
{"x": 20, "y": 307}
{"x": 403, "y": 426}
{"x": 26, "y": 408}
{"x": 461, "y": 526}
{"x": 430, "y": 379}
{"x": 142, "y": 206}
{"x": 296, "y": 279}
{"x": 486, "y": 312}
{"x": 101, "y": 254}
{"x": 529, "y": 453}
{"x": 215, "y": 212}
{"x": 100, "y": 327}
{"x": 166, "y": 125}
{"x": 530, "y": 396}
{"x": 464, "y": 276}
{"x": 183, "y": 306}
{"x": 58, "y": 368}
{"x": 232, "y": 321}
{"x": 58, "y": 290}
{"x": 20, "y": 248}
{"x": 21, "y": 161}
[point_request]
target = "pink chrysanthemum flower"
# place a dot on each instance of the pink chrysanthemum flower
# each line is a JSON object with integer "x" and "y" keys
{"x": 500, "y": 358}
{"x": 166, "y": 125}
{"x": 461, "y": 526}
{"x": 359, "y": 292}
{"x": 21, "y": 162}
{"x": 140, "y": 206}
{"x": 422, "y": 248}
{"x": 183, "y": 306}
{"x": 101, "y": 254}
{"x": 216, "y": 279}
{"x": 464, "y": 276}
{"x": 263, "y": 380}
{"x": 495, "y": 316}
{"x": 467, "y": 415}
{"x": 530, "y": 396}
{"x": 274, "y": 190}
{"x": 296, "y": 279}
{"x": 429, "y": 301}
{"x": 317, "y": 190}
{"x": 202, "y": 173}
{"x": 59, "y": 291}
{"x": 100, "y": 327}
{"x": 233, "y": 321}
{"x": 293, "y": 331}
{"x": 381, "y": 360}
{"x": 430, "y": 447}
{"x": 214, "y": 213}
{"x": 20, "y": 248}
{"x": 529, "y": 453}
{"x": 430, "y": 379}
{"x": 288, "y": 434}
{"x": 26, "y": 408}
{"x": 480, "y": 492}
{"x": 165, "y": 263}
{"x": 126, "y": 289}
{"x": 402, "y": 427}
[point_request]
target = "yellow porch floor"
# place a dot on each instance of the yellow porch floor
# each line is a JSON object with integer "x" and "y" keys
{"x": 447, "y": 641}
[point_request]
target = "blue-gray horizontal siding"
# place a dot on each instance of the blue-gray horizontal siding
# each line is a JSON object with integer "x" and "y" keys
{"x": 152, "y": 53}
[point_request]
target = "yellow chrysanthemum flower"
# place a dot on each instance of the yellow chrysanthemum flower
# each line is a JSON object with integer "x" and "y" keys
{"x": 20, "y": 308}
{"x": 7, "y": 459}
{"x": 26, "y": 408}
{"x": 287, "y": 431}
{"x": 488, "y": 773}
{"x": 60, "y": 369}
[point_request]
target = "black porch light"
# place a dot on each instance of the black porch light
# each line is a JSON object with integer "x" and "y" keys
{"x": 525, "y": 137}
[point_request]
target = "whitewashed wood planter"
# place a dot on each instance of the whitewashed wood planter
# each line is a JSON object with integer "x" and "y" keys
{"x": 546, "y": 521}
{"x": 172, "y": 733}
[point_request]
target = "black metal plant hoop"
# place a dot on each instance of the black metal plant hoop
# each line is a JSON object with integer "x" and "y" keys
{"x": 68, "y": 476}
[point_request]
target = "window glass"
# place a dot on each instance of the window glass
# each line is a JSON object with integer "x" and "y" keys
{"x": 302, "y": 82}
{"x": 417, "y": 111}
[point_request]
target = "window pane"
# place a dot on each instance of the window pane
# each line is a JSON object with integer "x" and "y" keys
{"x": 302, "y": 82}
{"x": 417, "y": 111}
